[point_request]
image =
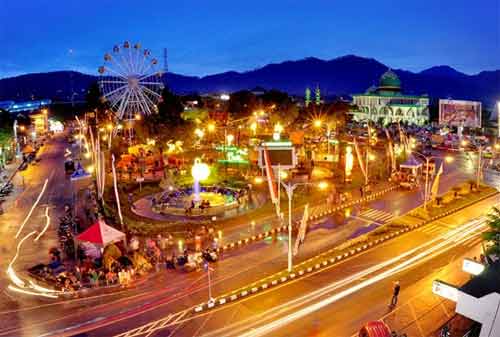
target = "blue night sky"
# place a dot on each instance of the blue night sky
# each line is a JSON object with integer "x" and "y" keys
{"x": 205, "y": 37}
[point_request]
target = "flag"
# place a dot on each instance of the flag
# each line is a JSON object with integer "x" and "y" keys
{"x": 391, "y": 150}
{"x": 360, "y": 160}
{"x": 273, "y": 190}
{"x": 435, "y": 184}
{"x": 302, "y": 230}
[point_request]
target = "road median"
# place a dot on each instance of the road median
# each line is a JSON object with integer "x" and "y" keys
{"x": 335, "y": 255}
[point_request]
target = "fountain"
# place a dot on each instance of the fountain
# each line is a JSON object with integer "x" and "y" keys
{"x": 200, "y": 171}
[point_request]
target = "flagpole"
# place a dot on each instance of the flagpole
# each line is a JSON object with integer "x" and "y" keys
{"x": 278, "y": 206}
{"x": 290, "y": 195}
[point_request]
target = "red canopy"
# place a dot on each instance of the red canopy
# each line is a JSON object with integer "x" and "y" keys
{"x": 375, "y": 329}
{"x": 101, "y": 234}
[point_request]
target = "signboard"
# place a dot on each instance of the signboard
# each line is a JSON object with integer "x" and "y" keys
{"x": 445, "y": 290}
{"x": 233, "y": 155}
{"x": 280, "y": 154}
{"x": 472, "y": 267}
{"x": 460, "y": 113}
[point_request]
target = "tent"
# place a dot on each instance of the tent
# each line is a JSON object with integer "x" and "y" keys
{"x": 375, "y": 329}
{"x": 411, "y": 164}
{"x": 101, "y": 234}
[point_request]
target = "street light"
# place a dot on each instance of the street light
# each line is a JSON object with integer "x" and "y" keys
{"x": 290, "y": 188}
{"x": 200, "y": 171}
{"x": 211, "y": 127}
{"x": 318, "y": 123}
{"x": 447, "y": 159}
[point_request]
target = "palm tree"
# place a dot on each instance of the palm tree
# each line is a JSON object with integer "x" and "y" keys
{"x": 492, "y": 237}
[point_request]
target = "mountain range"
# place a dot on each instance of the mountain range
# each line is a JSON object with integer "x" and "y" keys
{"x": 340, "y": 76}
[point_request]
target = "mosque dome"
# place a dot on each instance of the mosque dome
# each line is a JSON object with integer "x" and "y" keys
{"x": 389, "y": 81}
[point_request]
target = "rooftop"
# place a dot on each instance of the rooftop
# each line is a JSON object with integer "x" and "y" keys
{"x": 485, "y": 283}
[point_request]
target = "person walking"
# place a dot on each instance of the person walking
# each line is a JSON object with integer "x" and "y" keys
{"x": 395, "y": 294}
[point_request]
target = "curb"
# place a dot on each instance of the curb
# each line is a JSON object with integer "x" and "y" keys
{"x": 319, "y": 215}
{"x": 300, "y": 270}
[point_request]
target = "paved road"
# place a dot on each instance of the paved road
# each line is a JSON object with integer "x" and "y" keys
{"x": 58, "y": 192}
{"x": 167, "y": 292}
{"x": 339, "y": 301}
{"x": 184, "y": 290}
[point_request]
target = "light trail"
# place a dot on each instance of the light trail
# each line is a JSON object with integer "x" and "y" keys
{"x": 32, "y": 209}
{"x": 47, "y": 224}
{"x": 281, "y": 309}
{"x": 450, "y": 242}
{"x": 10, "y": 271}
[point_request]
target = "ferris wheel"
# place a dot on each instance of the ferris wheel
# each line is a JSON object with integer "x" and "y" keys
{"x": 131, "y": 81}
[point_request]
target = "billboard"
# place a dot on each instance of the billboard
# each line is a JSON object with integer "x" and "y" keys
{"x": 460, "y": 113}
{"x": 280, "y": 154}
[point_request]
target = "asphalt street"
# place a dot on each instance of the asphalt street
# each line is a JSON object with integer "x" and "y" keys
{"x": 169, "y": 292}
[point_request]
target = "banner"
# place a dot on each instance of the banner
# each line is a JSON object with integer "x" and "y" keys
{"x": 273, "y": 190}
{"x": 391, "y": 150}
{"x": 360, "y": 160}
{"x": 435, "y": 184}
{"x": 302, "y": 230}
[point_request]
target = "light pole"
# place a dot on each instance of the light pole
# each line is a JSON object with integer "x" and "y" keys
{"x": 318, "y": 123}
{"x": 427, "y": 162}
{"x": 479, "y": 159}
{"x": 290, "y": 188}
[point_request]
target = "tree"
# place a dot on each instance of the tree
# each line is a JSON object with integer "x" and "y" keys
{"x": 170, "y": 108}
{"x": 492, "y": 237}
{"x": 168, "y": 117}
{"x": 242, "y": 104}
{"x": 93, "y": 98}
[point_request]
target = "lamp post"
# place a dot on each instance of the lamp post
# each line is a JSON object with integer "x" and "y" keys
{"x": 318, "y": 123}
{"x": 427, "y": 161}
{"x": 290, "y": 188}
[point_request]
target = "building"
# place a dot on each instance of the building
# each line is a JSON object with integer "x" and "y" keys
{"x": 386, "y": 104}
{"x": 479, "y": 298}
{"x": 27, "y": 106}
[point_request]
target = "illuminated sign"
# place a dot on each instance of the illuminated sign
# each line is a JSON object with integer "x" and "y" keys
{"x": 472, "y": 267}
{"x": 234, "y": 155}
{"x": 445, "y": 290}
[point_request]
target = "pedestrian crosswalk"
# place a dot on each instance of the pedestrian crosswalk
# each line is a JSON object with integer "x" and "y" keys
{"x": 376, "y": 215}
{"x": 432, "y": 229}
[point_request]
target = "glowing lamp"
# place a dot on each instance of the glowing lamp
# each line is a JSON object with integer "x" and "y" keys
{"x": 211, "y": 127}
{"x": 323, "y": 185}
{"x": 448, "y": 159}
{"x": 283, "y": 174}
{"x": 258, "y": 180}
{"x": 317, "y": 123}
{"x": 200, "y": 171}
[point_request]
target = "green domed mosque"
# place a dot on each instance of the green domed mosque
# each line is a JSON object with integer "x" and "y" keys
{"x": 386, "y": 103}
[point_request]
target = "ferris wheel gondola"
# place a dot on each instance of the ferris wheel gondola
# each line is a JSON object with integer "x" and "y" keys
{"x": 131, "y": 81}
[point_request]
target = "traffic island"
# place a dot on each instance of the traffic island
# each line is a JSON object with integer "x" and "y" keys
{"x": 393, "y": 229}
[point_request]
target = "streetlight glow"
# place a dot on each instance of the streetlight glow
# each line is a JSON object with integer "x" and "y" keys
{"x": 323, "y": 185}
{"x": 258, "y": 180}
{"x": 200, "y": 171}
